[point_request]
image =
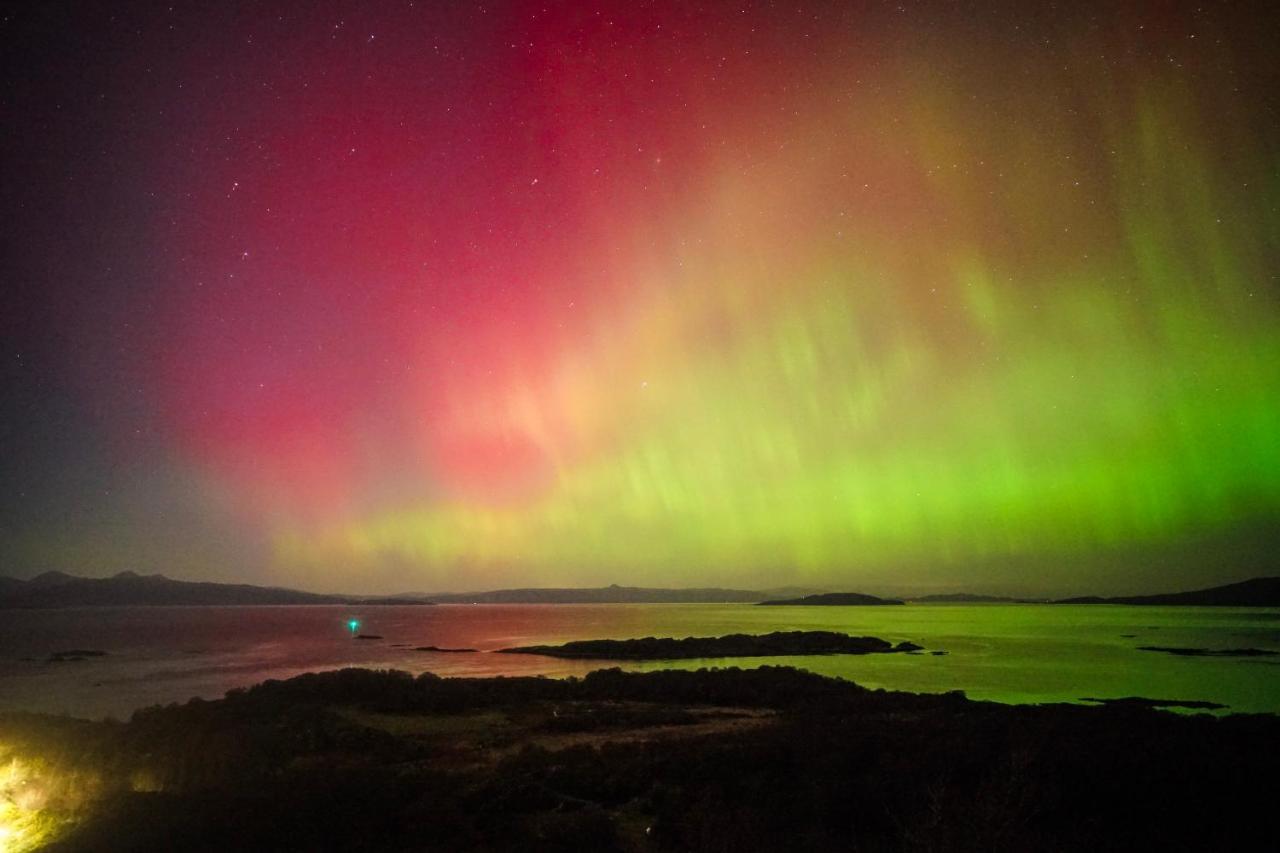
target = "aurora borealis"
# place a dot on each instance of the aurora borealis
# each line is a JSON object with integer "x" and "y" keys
{"x": 448, "y": 296}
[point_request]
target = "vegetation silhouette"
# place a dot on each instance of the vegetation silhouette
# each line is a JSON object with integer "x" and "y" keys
{"x": 719, "y": 760}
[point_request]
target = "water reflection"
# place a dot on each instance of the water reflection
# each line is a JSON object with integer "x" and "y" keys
{"x": 1011, "y": 653}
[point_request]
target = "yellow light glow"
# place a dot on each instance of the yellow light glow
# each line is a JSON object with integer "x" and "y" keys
{"x": 23, "y": 824}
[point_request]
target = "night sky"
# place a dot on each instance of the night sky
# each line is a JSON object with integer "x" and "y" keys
{"x": 429, "y": 296}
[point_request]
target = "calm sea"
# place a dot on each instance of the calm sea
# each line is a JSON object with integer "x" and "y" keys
{"x": 1008, "y": 653}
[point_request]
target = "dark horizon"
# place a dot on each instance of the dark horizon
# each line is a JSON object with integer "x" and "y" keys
{"x": 622, "y": 593}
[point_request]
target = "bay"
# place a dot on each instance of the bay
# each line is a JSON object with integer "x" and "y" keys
{"x": 1003, "y": 652}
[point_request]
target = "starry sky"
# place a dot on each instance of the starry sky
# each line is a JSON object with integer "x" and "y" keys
{"x": 437, "y": 296}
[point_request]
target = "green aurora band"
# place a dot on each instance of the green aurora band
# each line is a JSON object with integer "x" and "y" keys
{"x": 842, "y": 295}
{"x": 1053, "y": 336}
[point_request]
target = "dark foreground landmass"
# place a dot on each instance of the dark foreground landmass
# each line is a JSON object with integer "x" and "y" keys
{"x": 1258, "y": 592}
{"x": 730, "y": 646}
{"x": 722, "y": 760}
{"x": 832, "y": 599}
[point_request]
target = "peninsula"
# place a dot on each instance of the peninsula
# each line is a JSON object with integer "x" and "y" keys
{"x": 1257, "y": 592}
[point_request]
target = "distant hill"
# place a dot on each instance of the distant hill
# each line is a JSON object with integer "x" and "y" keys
{"x": 1258, "y": 592}
{"x": 833, "y": 599}
{"x": 604, "y": 595}
{"x": 58, "y": 589}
